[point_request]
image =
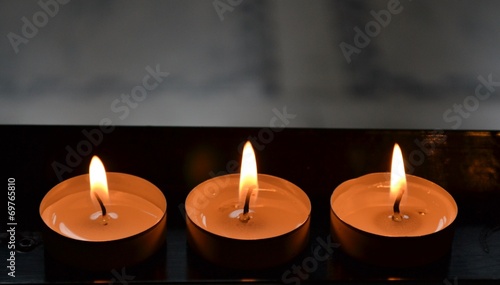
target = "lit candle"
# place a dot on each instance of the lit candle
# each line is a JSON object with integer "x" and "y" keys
{"x": 393, "y": 219}
{"x": 247, "y": 220}
{"x": 92, "y": 227}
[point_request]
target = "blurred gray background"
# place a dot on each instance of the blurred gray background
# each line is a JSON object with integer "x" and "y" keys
{"x": 232, "y": 62}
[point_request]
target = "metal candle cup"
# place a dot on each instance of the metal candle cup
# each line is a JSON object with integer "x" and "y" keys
{"x": 74, "y": 235}
{"x": 361, "y": 219}
{"x": 276, "y": 233}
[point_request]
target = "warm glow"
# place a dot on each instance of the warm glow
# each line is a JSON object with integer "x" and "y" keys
{"x": 98, "y": 181}
{"x": 248, "y": 175}
{"x": 398, "y": 176}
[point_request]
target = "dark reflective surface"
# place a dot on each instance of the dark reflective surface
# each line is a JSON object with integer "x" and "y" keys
{"x": 317, "y": 160}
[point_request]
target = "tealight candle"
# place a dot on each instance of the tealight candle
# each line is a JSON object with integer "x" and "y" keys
{"x": 393, "y": 219}
{"x": 97, "y": 229}
{"x": 264, "y": 224}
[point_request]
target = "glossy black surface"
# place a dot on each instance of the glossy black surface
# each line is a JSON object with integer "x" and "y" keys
{"x": 317, "y": 160}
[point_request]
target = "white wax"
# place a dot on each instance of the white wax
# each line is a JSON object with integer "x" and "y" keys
{"x": 364, "y": 203}
{"x": 75, "y": 216}
{"x": 280, "y": 208}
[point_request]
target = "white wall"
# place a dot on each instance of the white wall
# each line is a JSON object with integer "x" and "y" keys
{"x": 262, "y": 55}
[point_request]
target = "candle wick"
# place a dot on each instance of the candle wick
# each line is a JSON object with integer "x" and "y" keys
{"x": 397, "y": 217}
{"x": 244, "y": 217}
{"x": 103, "y": 208}
{"x": 246, "y": 207}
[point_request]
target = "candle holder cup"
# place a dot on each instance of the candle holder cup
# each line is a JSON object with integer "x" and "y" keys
{"x": 108, "y": 254}
{"x": 397, "y": 250}
{"x": 266, "y": 241}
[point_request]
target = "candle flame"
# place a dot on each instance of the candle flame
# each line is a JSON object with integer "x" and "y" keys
{"x": 398, "y": 176}
{"x": 98, "y": 181}
{"x": 248, "y": 175}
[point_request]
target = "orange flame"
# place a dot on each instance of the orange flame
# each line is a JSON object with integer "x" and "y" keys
{"x": 248, "y": 175}
{"x": 98, "y": 181}
{"x": 398, "y": 176}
